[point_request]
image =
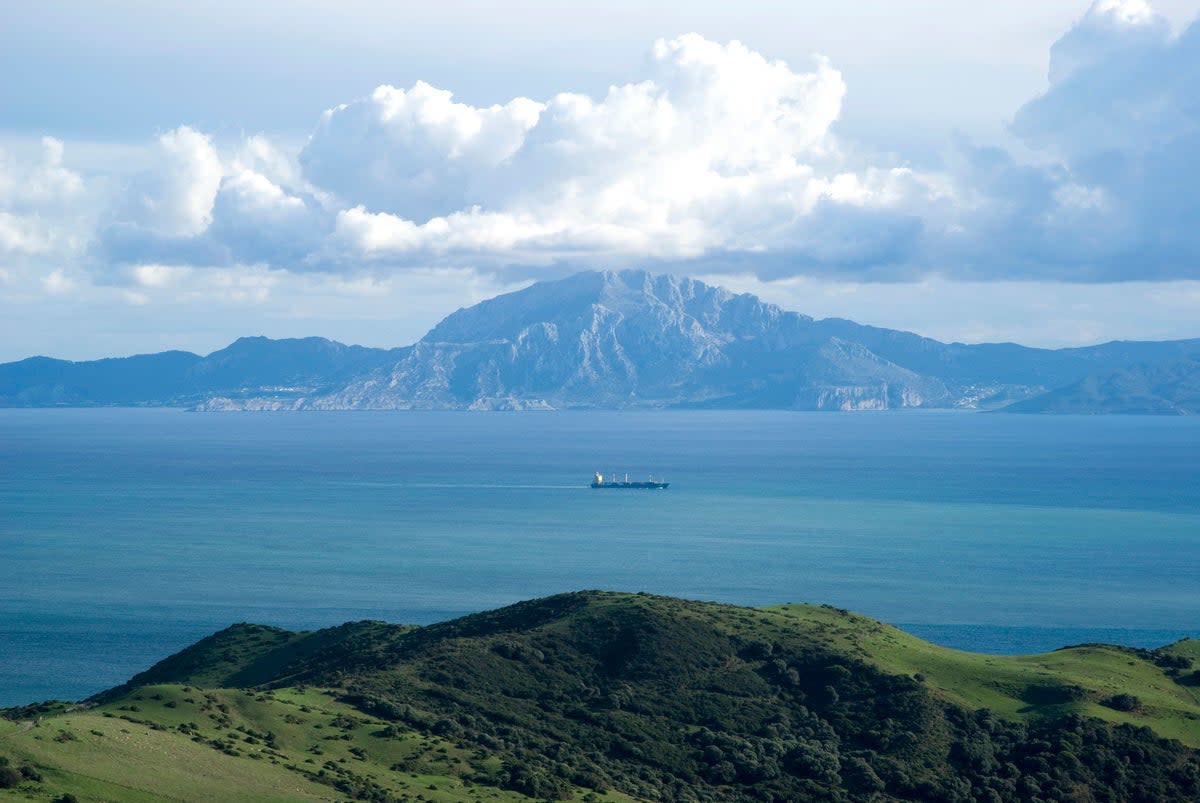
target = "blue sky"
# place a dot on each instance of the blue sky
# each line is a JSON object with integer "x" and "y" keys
{"x": 177, "y": 175}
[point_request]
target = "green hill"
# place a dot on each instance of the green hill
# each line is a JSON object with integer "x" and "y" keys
{"x": 600, "y": 696}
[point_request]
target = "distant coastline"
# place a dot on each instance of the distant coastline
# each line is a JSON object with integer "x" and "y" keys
{"x": 630, "y": 340}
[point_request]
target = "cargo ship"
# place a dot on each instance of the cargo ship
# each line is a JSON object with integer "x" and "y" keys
{"x": 600, "y": 481}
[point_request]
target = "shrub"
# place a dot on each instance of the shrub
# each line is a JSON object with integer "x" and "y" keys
{"x": 9, "y": 777}
{"x": 1122, "y": 702}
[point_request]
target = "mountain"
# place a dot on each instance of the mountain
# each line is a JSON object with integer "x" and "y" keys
{"x": 1171, "y": 388}
{"x": 633, "y": 339}
{"x": 251, "y": 367}
{"x": 622, "y": 697}
{"x": 142, "y": 379}
{"x": 595, "y": 339}
{"x": 274, "y": 374}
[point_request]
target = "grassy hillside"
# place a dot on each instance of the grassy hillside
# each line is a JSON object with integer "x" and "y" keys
{"x": 619, "y": 697}
{"x": 187, "y": 743}
{"x": 1075, "y": 680}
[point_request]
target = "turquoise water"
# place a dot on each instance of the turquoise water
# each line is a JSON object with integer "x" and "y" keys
{"x": 127, "y": 534}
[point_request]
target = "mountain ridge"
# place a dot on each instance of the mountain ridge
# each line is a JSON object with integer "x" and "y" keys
{"x": 1163, "y": 388}
{"x": 627, "y": 339}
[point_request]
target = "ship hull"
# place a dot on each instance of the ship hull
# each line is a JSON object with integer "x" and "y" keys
{"x": 645, "y": 486}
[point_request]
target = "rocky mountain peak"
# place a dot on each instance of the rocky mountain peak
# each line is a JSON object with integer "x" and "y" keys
{"x": 629, "y": 296}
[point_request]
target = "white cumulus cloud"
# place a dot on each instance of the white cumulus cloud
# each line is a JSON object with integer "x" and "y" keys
{"x": 198, "y": 205}
{"x": 413, "y": 152}
{"x": 45, "y": 183}
{"x": 257, "y": 220}
{"x": 176, "y": 196}
{"x": 40, "y": 202}
{"x": 719, "y": 149}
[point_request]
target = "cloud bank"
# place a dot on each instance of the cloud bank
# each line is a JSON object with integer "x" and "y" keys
{"x": 718, "y": 160}
{"x": 1122, "y": 113}
{"x": 718, "y": 150}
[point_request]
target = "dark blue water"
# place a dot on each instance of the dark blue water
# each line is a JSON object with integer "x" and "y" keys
{"x": 127, "y": 534}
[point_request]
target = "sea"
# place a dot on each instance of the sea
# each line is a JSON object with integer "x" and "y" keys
{"x": 127, "y": 534}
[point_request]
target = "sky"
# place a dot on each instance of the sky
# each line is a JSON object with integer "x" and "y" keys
{"x": 177, "y": 175}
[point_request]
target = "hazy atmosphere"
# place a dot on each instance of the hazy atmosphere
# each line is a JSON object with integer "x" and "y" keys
{"x": 176, "y": 176}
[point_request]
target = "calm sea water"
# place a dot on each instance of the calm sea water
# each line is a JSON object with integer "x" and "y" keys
{"x": 128, "y": 534}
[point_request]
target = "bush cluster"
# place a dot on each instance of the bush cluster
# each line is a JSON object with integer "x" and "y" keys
{"x": 660, "y": 702}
